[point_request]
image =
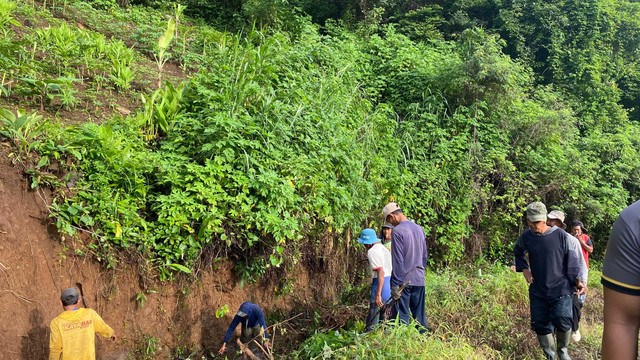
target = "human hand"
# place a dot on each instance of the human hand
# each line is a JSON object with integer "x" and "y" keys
{"x": 268, "y": 344}
{"x": 395, "y": 292}
{"x": 222, "y": 349}
{"x": 379, "y": 300}
{"x": 527, "y": 275}
{"x": 512, "y": 268}
{"x": 581, "y": 289}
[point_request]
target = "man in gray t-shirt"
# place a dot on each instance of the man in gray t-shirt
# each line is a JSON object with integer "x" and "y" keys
{"x": 621, "y": 280}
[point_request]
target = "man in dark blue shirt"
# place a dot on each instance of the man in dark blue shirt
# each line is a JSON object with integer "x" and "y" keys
{"x": 551, "y": 272}
{"x": 409, "y": 260}
{"x": 252, "y": 319}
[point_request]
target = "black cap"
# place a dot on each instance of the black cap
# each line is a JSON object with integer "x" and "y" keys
{"x": 69, "y": 296}
{"x": 579, "y": 223}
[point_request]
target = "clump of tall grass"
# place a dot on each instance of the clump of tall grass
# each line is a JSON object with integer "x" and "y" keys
{"x": 472, "y": 313}
{"x": 392, "y": 341}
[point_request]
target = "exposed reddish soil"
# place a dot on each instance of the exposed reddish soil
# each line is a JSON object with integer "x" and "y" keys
{"x": 37, "y": 263}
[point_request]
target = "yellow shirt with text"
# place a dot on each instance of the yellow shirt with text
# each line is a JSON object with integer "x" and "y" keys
{"x": 73, "y": 335}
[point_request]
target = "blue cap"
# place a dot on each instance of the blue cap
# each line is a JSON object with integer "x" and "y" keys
{"x": 368, "y": 236}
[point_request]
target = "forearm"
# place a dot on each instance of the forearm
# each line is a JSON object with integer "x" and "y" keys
{"x": 231, "y": 329}
{"x": 54, "y": 354}
{"x": 583, "y": 270}
{"x": 520, "y": 259}
{"x": 380, "y": 282}
{"x": 397, "y": 274}
{"x": 55, "y": 343}
{"x": 105, "y": 330}
{"x": 587, "y": 248}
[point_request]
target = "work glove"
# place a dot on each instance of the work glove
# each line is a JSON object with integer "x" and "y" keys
{"x": 395, "y": 292}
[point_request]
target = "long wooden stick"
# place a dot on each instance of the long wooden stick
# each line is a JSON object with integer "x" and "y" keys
{"x": 267, "y": 351}
{"x": 79, "y": 285}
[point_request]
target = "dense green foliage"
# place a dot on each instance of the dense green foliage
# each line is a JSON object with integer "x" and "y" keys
{"x": 289, "y": 133}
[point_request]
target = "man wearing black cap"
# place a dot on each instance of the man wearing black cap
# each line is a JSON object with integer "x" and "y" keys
{"x": 578, "y": 230}
{"x": 73, "y": 332}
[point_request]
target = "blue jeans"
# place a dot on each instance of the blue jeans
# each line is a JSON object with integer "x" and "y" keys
{"x": 549, "y": 314}
{"x": 411, "y": 303}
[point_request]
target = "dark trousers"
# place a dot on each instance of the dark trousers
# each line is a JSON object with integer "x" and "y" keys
{"x": 577, "y": 313}
{"x": 374, "y": 319}
{"x": 549, "y": 314}
{"x": 411, "y": 304}
{"x": 249, "y": 333}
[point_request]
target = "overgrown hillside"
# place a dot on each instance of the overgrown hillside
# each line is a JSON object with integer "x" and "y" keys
{"x": 266, "y": 135}
{"x": 277, "y": 138}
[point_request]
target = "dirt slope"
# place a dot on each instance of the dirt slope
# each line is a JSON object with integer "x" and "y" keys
{"x": 35, "y": 266}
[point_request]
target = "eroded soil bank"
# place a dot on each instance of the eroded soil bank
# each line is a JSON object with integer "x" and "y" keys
{"x": 148, "y": 316}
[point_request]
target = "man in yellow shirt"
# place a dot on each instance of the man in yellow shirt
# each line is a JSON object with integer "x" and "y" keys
{"x": 73, "y": 331}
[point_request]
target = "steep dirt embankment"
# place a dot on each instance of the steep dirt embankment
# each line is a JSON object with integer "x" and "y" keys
{"x": 35, "y": 266}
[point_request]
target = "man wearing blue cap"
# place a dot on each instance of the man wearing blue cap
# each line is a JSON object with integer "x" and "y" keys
{"x": 380, "y": 265}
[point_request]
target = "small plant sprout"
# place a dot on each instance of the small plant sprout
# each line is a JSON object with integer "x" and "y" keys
{"x": 222, "y": 311}
{"x": 177, "y": 14}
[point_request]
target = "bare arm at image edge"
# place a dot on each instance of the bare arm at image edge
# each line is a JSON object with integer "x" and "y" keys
{"x": 621, "y": 284}
{"x": 621, "y": 325}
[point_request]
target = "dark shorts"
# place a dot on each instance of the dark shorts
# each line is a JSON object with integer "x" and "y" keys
{"x": 249, "y": 334}
{"x": 547, "y": 315}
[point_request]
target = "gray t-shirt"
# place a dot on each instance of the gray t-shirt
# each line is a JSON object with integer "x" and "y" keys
{"x": 621, "y": 268}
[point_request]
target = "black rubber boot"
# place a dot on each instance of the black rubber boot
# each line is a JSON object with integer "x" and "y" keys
{"x": 563, "y": 343}
{"x": 548, "y": 345}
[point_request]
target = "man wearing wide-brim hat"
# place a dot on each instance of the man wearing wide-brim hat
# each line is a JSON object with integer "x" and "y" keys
{"x": 551, "y": 272}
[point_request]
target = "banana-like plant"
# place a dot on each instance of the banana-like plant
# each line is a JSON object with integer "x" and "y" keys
{"x": 6, "y": 16}
{"x": 19, "y": 127}
{"x": 161, "y": 109}
{"x": 163, "y": 44}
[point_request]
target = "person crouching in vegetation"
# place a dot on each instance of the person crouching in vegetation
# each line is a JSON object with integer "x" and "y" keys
{"x": 380, "y": 265}
{"x": 556, "y": 218}
{"x": 253, "y": 324}
{"x": 551, "y": 277}
{"x": 73, "y": 333}
{"x": 385, "y": 235}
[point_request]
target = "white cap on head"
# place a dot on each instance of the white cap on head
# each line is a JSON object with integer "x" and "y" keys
{"x": 389, "y": 208}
